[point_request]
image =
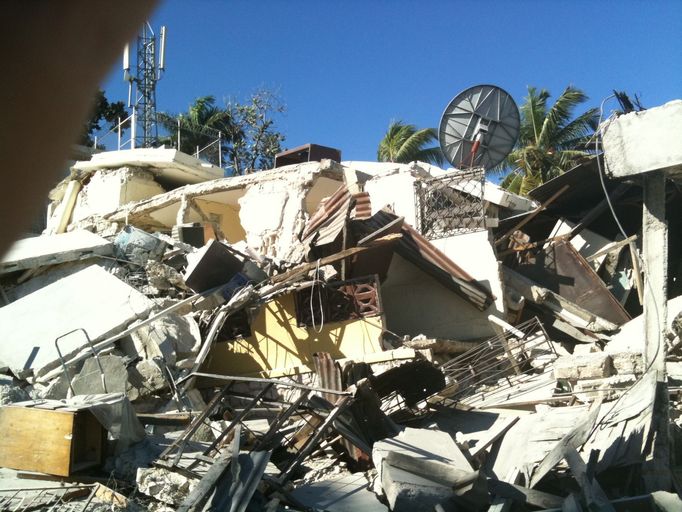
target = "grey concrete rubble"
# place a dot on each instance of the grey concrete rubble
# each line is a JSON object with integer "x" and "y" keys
{"x": 350, "y": 336}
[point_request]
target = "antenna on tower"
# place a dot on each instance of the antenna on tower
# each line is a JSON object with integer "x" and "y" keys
{"x": 148, "y": 71}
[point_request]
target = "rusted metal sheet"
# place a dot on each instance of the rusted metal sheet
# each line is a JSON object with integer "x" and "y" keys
{"x": 329, "y": 219}
{"x": 561, "y": 269}
{"x": 329, "y": 374}
{"x": 363, "y": 206}
{"x": 332, "y": 214}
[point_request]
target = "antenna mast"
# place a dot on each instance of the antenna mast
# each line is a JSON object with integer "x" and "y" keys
{"x": 148, "y": 72}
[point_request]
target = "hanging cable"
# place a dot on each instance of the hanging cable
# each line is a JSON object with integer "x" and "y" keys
{"x": 319, "y": 295}
{"x": 601, "y": 171}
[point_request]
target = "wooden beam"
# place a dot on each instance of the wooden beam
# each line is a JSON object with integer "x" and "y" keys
{"x": 532, "y": 215}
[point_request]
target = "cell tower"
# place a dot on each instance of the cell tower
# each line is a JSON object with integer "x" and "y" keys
{"x": 149, "y": 71}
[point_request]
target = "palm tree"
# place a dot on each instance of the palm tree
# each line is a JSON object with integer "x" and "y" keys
{"x": 201, "y": 127}
{"x": 404, "y": 143}
{"x": 550, "y": 141}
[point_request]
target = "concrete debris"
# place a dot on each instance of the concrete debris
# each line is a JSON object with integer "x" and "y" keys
{"x": 347, "y": 336}
{"x": 587, "y": 366}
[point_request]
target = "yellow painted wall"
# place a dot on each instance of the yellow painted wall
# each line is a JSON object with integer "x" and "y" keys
{"x": 278, "y": 343}
{"x": 229, "y": 223}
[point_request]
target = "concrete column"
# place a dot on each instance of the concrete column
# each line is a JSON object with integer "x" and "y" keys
{"x": 655, "y": 254}
{"x": 655, "y": 471}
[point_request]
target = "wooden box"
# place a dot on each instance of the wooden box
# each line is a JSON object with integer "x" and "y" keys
{"x": 57, "y": 441}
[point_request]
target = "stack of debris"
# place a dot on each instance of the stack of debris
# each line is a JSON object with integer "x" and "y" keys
{"x": 328, "y": 336}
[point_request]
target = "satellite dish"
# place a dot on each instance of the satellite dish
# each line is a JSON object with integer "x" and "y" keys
{"x": 479, "y": 127}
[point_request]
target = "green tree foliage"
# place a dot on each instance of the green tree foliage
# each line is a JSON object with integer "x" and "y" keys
{"x": 255, "y": 142}
{"x": 551, "y": 140}
{"x": 199, "y": 129}
{"x": 243, "y": 133}
{"x": 102, "y": 110}
{"x": 404, "y": 143}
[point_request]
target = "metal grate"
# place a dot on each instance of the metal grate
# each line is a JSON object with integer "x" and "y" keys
{"x": 499, "y": 363}
{"x": 57, "y": 499}
{"x": 450, "y": 204}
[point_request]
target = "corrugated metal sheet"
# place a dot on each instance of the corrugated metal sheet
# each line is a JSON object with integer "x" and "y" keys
{"x": 330, "y": 217}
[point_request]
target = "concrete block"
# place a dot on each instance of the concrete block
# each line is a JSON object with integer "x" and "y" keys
{"x": 587, "y": 366}
{"x": 608, "y": 388}
{"x": 148, "y": 378}
{"x": 171, "y": 337}
{"x": 52, "y": 249}
{"x": 89, "y": 379}
{"x": 644, "y": 141}
{"x": 164, "y": 485}
{"x": 628, "y": 362}
{"x": 90, "y": 299}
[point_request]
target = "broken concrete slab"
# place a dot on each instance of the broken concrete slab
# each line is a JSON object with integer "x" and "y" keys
{"x": 630, "y": 337}
{"x": 11, "y": 392}
{"x": 31, "y": 253}
{"x": 596, "y": 365}
{"x": 345, "y": 493}
{"x": 111, "y": 378}
{"x": 164, "y": 485}
{"x": 404, "y": 489}
{"x": 91, "y": 299}
{"x": 167, "y": 164}
{"x": 629, "y": 141}
{"x": 138, "y": 246}
{"x": 173, "y": 337}
{"x": 213, "y": 265}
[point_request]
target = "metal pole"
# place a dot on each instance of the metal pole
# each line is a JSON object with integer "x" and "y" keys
{"x": 220, "y": 150}
{"x": 119, "y": 134}
{"x": 178, "y": 134}
{"x": 94, "y": 146}
{"x": 133, "y": 130}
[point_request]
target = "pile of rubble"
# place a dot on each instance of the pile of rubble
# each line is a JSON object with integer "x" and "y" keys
{"x": 343, "y": 336}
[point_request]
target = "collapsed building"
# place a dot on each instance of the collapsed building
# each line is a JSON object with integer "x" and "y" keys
{"x": 328, "y": 336}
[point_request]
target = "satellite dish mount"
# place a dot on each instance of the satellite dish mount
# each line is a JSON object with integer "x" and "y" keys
{"x": 479, "y": 127}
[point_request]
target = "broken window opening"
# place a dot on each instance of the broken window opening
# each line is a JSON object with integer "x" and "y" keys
{"x": 450, "y": 204}
{"x": 338, "y": 301}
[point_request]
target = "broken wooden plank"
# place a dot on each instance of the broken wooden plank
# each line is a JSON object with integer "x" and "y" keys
{"x": 531, "y": 215}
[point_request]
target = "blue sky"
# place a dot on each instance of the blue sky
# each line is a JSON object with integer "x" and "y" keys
{"x": 345, "y": 69}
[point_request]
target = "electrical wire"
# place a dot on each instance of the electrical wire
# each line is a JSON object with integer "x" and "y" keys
{"x": 319, "y": 295}
{"x": 601, "y": 171}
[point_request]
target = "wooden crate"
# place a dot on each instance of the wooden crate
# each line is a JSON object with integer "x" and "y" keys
{"x": 53, "y": 441}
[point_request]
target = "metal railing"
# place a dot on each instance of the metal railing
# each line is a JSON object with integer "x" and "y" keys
{"x": 499, "y": 364}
